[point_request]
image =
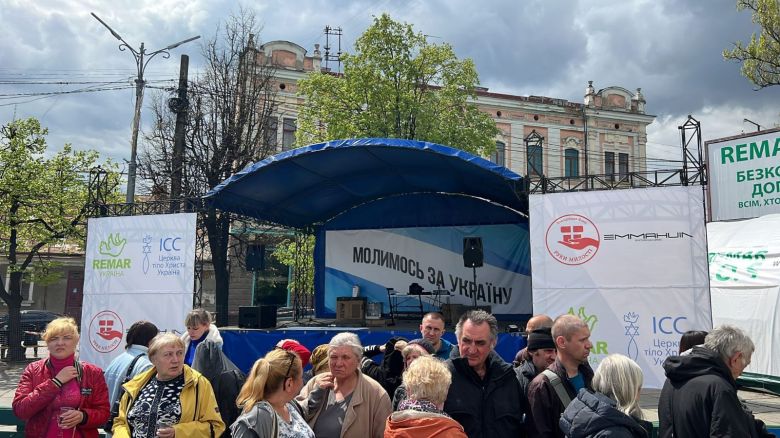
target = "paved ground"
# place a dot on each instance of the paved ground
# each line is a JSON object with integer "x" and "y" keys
{"x": 765, "y": 406}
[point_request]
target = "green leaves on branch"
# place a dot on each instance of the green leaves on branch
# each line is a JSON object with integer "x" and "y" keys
{"x": 397, "y": 85}
{"x": 761, "y": 57}
{"x": 300, "y": 249}
{"x": 42, "y": 195}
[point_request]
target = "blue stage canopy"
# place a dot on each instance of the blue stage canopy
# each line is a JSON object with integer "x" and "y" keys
{"x": 313, "y": 184}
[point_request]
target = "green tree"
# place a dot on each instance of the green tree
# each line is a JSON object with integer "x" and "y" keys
{"x": 43, "y": 201}
{"x": 397, "y": 85}
{"x": 298, "y": 253}
{"x": 761, "y": 57}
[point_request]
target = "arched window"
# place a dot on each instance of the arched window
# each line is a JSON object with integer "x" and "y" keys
{"x": 571, "y": 163}
{"x": 499, "y": 156}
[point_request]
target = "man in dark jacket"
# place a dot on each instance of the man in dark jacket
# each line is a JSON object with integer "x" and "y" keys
{"x": 534, "y": 323}
{"x": 485, "y": 396}
{"x": 572, "y": 339}
{"x": 541, "y": 354}
{"x": 699, "y": 397}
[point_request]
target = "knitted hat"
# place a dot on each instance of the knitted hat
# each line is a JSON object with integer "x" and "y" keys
{"x": 297, "y": 347}
{"x": 424, "y": 343}
{"x": 539, "y": 339}
{"x": 319, "y": 359}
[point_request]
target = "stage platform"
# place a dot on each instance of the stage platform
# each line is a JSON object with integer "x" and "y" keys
{"x": 245, "y": 346}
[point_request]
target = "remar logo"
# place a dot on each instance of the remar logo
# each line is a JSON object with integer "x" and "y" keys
{"x": 113, "y": 246}
{"x": 590, "y": 320}
{"x": 599, "y": 347}
{"x": 572, "y": 239}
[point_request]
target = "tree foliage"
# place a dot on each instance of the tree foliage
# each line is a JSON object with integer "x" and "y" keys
{"x": 298, "y": 254}
{"x": 761, "y": 57}
{"x": 229, "y": 126}
{"x": 397, "y": 85}
{"x": 43, "y": 201}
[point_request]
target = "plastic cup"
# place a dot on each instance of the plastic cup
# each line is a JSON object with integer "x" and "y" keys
{"x": 63, "y": 410}
{"x": 163, "y": 425}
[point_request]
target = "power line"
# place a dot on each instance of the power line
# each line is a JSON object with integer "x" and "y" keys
{"x": 57, "y": 93}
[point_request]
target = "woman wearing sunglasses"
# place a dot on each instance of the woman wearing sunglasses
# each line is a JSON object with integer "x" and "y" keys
{"x": 266, "y": 399}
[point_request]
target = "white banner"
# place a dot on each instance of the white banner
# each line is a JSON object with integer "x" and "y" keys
{"x": 631, "y": 263}
{"x": 375, "y": 260}
{"x": 745, "y": 280}
{"x": 137, "y": 268}
{"x": 744, "y": 176}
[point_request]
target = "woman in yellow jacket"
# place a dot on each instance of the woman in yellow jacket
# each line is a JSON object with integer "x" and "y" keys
{"x": 170, "y": 400}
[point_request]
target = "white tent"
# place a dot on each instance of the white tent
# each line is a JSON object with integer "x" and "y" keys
{"x": 745, "y": 284}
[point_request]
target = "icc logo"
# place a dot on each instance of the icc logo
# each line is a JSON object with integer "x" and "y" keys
{"x": 669, "y": 325}
{"x": 572, "y": 239}
{"x": 106, "y": 331}
{"x": 170, "y": 244}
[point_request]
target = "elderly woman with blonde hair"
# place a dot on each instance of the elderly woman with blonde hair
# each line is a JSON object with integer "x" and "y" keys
{"x": 170, "y": 399}
{"x": 427, "y": 381}
{"x": 61, "y": 396}
{"x": 612, "y": 408}
{"x": 344, "y": 402}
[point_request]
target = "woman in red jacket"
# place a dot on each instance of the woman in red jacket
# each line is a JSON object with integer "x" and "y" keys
{"x": 60, "y": 397}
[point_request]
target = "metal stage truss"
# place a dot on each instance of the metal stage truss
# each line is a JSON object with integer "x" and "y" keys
{"x": 693, "y": 171}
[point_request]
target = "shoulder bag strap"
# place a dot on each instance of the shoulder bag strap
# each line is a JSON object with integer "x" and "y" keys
{"x": 275, "y": 426}
{"x": 557, "y": 385}
{"x": 129, "y": 373}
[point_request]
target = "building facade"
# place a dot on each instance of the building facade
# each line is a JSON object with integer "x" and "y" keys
{"x": 606, "y": 134}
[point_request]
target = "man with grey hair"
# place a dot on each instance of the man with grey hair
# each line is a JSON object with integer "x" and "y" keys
{"x": 553, "y": 389}
{"x": 699, "y": 397}
{"x": 485, "y": 396}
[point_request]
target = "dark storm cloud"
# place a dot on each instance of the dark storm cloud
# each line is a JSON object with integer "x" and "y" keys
{"x": 526, "y": 44}
{"x": 672, "y": 49}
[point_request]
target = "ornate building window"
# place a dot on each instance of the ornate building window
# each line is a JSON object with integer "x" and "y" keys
{"x": 571, "y": 163}
{"x": 533, "y": 144}
{"x": 623, "y": 165}
{"x": 499, "y": 156}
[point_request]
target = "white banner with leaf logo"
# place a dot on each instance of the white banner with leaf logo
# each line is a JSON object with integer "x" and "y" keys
{"x": 745, "y": 279}
{"x": 137, "y": 268}
{"x": 631, "y": 263}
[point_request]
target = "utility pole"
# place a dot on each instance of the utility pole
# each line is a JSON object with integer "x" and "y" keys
{"x": 139, "y": 96}
{"x": 179, "y": 105}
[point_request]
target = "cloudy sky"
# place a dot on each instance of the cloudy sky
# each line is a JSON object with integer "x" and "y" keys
{"x": 669, "y": 48}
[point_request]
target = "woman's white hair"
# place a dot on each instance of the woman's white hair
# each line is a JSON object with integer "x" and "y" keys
{"x": 620, "y": 378}
{"x": 347, "y": 339}
{"x": 427, "y": 378}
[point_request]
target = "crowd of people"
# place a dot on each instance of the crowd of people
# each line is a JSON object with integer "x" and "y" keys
{"x": 167, "y": 386}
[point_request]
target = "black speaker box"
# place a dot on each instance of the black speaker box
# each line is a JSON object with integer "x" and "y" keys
{"x": 263, "y": 316}
{"x": 472, "y": 252}
{"x": 255, "y": 258}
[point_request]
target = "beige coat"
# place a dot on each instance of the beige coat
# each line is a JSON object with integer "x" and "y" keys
{"x": 367, "y": 411}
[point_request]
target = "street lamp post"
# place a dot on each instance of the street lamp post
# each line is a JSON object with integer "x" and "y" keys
{"x": 142, "y": 59}
{"x": 758, "y": 127}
